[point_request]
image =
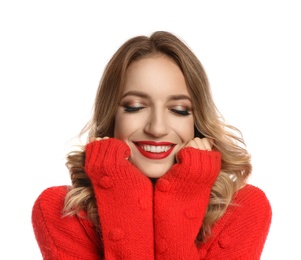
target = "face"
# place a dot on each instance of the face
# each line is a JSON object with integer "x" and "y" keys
{"x": 154, "y": 116}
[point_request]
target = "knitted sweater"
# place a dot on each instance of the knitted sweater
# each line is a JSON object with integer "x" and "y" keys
{"x": 141, "y": 221}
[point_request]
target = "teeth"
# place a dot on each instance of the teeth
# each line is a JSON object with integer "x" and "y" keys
{"x": 155, "y": 149}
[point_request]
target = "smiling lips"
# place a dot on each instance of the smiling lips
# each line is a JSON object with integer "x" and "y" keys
{"x": 154, "y": 150}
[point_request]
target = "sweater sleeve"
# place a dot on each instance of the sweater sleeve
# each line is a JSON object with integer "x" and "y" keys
{"x": 180, "y": 201}
{"x": 125, "y": 201}
{"x": 242, "y": 231}
{"x": 62, "y": 238}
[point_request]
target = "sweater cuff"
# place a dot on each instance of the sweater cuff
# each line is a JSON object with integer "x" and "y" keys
{"x": 106, "y": 152}
{"x": 106, "y": 162}
{"x": 180, "y": 202}
{"x": 195, "y": 169}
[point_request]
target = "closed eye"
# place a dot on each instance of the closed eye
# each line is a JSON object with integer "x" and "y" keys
{"x": 180, "y": 112}
{"x": 131, "y": 109}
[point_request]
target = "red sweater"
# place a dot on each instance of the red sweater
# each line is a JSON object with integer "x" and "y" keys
{"x": 141, "y": 221}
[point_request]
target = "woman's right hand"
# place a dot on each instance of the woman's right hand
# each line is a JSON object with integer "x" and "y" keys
{"x": 104, "y": 151}
{"x": 124, "y": 199}
{"x": 108, "y": 157}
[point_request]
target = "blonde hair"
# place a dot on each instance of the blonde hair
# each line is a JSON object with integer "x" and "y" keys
{"x": 236, "y": 166}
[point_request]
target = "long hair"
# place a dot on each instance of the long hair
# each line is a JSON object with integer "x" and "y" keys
{"x": 236, "y": 166}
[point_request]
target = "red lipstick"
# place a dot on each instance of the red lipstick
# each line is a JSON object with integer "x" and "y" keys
{"x": 154, "y": 150}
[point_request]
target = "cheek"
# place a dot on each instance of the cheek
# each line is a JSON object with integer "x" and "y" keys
{"x": 125, "y": 125}
{"x": 119, "y": 127}
{"x": 188, "y": 131}
{"x": 185, "y": 129}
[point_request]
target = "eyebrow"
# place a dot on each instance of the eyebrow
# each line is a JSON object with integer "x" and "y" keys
{"x": 143, "y": 95}
{"x": 135, "y": 93}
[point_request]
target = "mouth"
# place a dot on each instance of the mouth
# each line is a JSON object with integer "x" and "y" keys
{"x": 154, "y": 150}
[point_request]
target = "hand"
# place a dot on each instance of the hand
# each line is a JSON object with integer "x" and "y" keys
{"x": 200, "y": 143}
{"x": 181, "y": 198}
{"x": 124, "y": 199}
{"x": 97, "y": 139}
{"x": 103, "y": 154}
{"x": 103, "y": 138}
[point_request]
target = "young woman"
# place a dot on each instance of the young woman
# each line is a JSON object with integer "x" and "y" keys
{"x": 162, "y": 176}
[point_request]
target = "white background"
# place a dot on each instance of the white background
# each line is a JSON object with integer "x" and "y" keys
{"x": 52, "y": 54}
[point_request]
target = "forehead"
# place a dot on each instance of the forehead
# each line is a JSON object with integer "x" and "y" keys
{"x": 155, "y": 74}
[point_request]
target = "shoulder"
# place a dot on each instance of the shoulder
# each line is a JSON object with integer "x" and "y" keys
{"x": 250, "y": 206}
{"x": 242, "y": 231}
{"x": 54, "y": 232}
{"x": 47, "y": 212}
{"x": 49, "y": 204}
{"x": 54, "y": 194}
{"x": 250, "y": 210}
{"x": 252, "y": 197}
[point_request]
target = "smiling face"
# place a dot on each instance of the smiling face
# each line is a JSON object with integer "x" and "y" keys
{"x": 154, "y": 116}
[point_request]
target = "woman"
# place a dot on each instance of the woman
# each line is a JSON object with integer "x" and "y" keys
{"x": 162, "y": 176}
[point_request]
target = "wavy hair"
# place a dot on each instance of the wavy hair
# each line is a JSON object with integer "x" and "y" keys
{"x": 236, "y": 165}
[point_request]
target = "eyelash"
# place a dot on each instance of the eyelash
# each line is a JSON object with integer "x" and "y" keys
{"x": 130, "y": 109}
{"x": 181, "y": 112}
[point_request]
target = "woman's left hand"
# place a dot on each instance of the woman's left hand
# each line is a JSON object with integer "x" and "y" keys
{"x": 200, "y": 143}
{"x": 181, "y": 198}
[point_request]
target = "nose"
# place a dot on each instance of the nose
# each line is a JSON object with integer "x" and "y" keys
{"x": 157, "y": 124}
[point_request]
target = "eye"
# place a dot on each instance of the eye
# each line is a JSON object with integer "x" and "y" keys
{"x": 131, "y": 109}
{"x": 181, "y": 112}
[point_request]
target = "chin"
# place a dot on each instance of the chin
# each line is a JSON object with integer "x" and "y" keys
{"x": 155, "y": 171}
{"x": 155, "y": 175}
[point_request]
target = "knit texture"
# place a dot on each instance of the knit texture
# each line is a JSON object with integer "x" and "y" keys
{"x": 124, "y": 197}
{"x": 142, "y": 222}
{"x": 180, "y": 202}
